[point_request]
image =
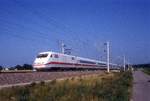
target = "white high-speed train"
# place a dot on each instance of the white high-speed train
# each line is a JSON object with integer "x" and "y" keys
{"x": 48, "y": 60}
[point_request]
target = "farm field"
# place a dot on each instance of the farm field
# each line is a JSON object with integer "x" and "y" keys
{"x": 106, "y": 87}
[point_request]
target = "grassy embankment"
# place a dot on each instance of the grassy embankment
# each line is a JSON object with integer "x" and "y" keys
{"x": 146, "y": 70}
{"x": 107, "y": 87}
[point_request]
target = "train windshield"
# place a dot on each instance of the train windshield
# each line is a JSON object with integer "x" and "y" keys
{"x": 42, "y": 55}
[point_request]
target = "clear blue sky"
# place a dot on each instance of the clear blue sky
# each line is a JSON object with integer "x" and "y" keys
{"x": 31, "y": 26}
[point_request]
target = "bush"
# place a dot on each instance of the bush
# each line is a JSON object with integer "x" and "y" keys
{"x": 32, "y": 84}
{"x": 42, "y": 83}
{"x": 1, "y": 68}
{"x": 146, "y": 70}
{"x": 24, "y": 67}
{"x": 27, "y": 67}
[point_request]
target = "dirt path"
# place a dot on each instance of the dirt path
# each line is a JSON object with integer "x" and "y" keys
{"x": 141, "y": 86}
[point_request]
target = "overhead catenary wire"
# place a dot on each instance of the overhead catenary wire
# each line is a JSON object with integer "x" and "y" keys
{"x": 32, "y": 38}
{"x": 15, "y": 26}
{"x": 76, "y": 40}
{"x": 50, "y": 20}
{"x": 22, "y": 38}
{"x": 41, "y": 34}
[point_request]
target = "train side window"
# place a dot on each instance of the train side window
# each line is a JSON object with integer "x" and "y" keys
{"x": 56, "y": 56}
{"x": 88, "y": 62}
{"x": 72, "y": 58}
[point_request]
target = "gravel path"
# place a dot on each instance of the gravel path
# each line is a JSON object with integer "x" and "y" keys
{"x": 12, "y": 79}
{"x": 141, "y": 86}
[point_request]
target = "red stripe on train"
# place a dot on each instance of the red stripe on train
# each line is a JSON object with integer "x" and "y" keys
{"x": 63, "y": 63}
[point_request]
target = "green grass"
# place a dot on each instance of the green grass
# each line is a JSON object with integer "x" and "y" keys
{"x": 108, "y": 87}
{"x": 146, "y": 70}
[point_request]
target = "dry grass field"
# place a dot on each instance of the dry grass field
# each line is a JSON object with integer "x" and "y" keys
{"x": 106, "y": 87}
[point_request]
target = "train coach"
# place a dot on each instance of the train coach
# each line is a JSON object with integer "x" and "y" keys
{"x": 48, "y": 60}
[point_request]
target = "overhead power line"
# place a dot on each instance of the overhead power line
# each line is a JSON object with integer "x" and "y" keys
{"x": 59, "y": 26}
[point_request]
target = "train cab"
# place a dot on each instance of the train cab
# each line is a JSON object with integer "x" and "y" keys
{"x": 41, "y": 60}
{"x": 47, "y": 60}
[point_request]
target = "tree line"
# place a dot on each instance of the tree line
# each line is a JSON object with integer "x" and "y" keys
{"x": 141, "y": 66}
{"x": 19, "y": 67}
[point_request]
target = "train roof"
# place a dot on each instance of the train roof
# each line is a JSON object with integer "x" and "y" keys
{"x": 98, "y": 61}
{"x": 51, "y": 52}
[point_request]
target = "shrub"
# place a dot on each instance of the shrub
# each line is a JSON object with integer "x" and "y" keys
{"x": 32, "y": 84}
{"x": 1, "y": 68}
{"x": 42, "y": 83}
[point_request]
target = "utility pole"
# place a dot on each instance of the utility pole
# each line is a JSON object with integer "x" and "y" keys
{"x": 124, "y": 62}
{"x": 62, "y": 47}
{"x": 108, "y": 56}
{"x": 65, "y": 50}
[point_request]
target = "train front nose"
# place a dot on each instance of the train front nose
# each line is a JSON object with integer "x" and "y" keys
{"x": 40, "y": 61}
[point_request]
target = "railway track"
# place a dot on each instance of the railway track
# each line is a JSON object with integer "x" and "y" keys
{"x": 15, "y": 79}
